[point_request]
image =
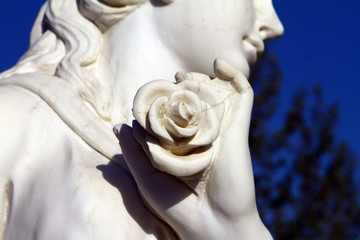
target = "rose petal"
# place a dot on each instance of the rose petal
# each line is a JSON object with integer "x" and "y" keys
{"x": 156, "y": 125}
{"x": 182, "y": 114}
{"x": 206, "y": 94}
{"x": 179, "y": 132}
{"x": 146, "y": 96}
{"x": 209, "y": 127}
{"x": 186, "y": 97}
{"x": 179, "y": 166}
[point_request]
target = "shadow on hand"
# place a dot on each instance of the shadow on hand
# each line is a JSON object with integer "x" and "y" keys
{"x": 161, "y": 190}
{"x": 119, "y": 176}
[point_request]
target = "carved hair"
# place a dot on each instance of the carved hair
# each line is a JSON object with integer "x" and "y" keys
{"x": 66, "y": 41}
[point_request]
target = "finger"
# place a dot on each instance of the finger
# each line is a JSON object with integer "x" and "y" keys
{"x": 166, "y": 194}
{"x": 226, "y": 71}
{"x": 117, "y": 130}
{"x": 134, "y": 155}
{"x": 182, "y": 76}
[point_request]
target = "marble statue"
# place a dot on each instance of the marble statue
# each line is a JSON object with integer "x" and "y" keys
{"x": 183, "y": 168}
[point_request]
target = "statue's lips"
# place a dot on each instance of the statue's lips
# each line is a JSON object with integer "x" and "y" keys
{"x": 253, "y": 46}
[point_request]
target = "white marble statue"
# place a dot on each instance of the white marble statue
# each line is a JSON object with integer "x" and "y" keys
{"x": 183, "y": 170}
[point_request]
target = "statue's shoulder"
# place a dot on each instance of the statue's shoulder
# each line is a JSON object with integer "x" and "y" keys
{"x": 24, "y": 114}
{"x": 11, "y": 94}
{"x": 20, "y": 98}
{"x": 53, "y": 100}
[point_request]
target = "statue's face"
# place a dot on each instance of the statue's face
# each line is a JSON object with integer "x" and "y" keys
{"x": 198, "y": 31}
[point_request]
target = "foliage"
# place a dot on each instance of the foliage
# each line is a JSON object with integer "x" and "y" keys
{"x": 304, "y": 176}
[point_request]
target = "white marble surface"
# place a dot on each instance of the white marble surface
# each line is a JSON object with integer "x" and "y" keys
{"x": 183, "y": 170}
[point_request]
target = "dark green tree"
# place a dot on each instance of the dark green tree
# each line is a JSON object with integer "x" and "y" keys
{"x": 304, "y": 175}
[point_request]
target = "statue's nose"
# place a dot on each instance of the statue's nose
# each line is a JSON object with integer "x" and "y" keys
{"x": 268, "y": 22}
{"x": 272, "y": 29}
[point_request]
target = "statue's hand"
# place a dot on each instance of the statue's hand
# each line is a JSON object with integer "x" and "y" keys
{"x": 224, "y": 208}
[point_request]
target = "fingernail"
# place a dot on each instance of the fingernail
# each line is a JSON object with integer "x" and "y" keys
{"x": 181, "y": 76}
{"x": 116, "y": 130}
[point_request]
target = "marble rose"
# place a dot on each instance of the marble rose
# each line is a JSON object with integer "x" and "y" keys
{"x": 183, "y": 121}
{"x": 62, "y": 172}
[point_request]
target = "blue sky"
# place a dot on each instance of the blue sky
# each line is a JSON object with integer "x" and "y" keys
{"x": 320, "y": 45}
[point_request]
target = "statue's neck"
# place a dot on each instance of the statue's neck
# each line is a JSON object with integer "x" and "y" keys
{"x": 134, "y": 55}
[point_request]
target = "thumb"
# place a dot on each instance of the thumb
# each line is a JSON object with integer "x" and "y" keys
{"x": 161, "y": 190}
